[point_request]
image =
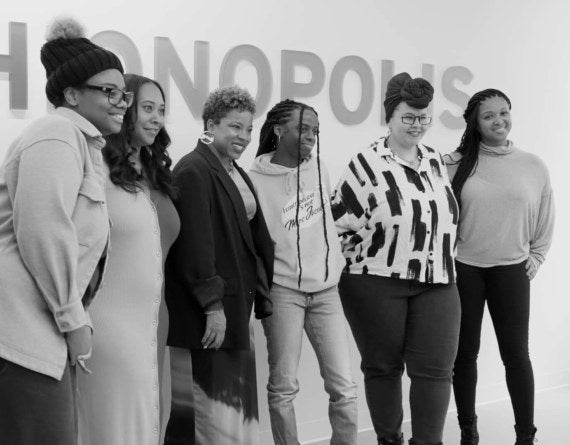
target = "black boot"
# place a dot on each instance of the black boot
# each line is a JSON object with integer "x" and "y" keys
{"x": 525, "y": 436}
{"x": 398, "y": 440}
{"x": 469, "y": 434}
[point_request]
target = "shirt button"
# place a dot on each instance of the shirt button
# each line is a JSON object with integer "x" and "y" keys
{"x": 154, "y": 322}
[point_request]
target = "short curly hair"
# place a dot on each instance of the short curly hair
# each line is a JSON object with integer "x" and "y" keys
{"x": 225, "y": 99}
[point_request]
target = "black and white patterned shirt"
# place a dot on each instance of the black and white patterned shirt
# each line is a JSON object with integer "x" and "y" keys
{"x": 395, "y": 221}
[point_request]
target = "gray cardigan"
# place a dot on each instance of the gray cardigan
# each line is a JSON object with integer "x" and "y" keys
{"x": 54, "y": 227}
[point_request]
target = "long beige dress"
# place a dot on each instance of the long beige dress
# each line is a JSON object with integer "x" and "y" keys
{"x": 120, "y": 401}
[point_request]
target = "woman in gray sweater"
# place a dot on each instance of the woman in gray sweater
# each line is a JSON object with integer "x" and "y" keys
{"x": 505, "y": 229}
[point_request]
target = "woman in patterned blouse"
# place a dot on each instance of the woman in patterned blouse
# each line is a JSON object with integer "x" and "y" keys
{"x": 397, "y": 217}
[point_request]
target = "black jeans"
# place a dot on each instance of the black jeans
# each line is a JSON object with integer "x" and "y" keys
{"x": 399, "y": 322}
{"x": 506, "y": 289}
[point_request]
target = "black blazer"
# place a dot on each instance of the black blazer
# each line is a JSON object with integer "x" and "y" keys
{"x": 220, "y": 258}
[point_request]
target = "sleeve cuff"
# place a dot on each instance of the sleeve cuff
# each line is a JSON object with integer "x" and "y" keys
{"x": 214, "y": 307}
{"x": 208, "y": 292}
{"x": 536, "y": 259}
{"x": 71, "y": 317}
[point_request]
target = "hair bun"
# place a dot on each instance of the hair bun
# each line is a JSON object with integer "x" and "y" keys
{"x": 417, "y": 93}
{"x": 64, "y": 28}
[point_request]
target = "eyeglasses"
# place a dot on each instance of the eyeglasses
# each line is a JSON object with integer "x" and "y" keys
{"x": 114, "y": 95}
{"x": 410, "y": 119}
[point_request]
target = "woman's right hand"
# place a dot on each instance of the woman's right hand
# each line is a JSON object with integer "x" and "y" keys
{"x": 79, "y": 343}
{"x": 215, "y": 329}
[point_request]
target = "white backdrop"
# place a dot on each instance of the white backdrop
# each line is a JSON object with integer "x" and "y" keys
{"x": 520, "y": 47}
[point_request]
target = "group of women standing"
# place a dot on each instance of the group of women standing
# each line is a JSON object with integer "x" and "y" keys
{"x": 89, "y": 211}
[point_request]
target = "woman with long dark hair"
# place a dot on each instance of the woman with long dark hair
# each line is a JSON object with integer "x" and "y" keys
{"x": 505, "y": 230}
{"x": 293, "y": 188}
{"x": 397, "y": 216}
{"x": 121, "y": 400}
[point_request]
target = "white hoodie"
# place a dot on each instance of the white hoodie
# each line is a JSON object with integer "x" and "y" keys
{"x": 276, "y": 187}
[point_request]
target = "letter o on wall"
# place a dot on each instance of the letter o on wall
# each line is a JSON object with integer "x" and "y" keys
{"x": 336, "y": 87}
{"x": 257, "y": 58}
{"x": 123, "y": 46}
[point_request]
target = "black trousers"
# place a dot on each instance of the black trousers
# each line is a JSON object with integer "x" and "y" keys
{"x": 35, "y": 408}
{"x": 506, "y": 289}
{"x": 399, "y": 323}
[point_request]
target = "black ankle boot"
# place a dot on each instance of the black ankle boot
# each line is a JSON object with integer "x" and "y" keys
{"x": 525, "y": 436}
{"x": 398, "y": 440}
{"x": 469, "y": 434}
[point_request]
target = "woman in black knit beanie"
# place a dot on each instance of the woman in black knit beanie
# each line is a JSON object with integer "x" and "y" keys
{"x": 54, "y": 228}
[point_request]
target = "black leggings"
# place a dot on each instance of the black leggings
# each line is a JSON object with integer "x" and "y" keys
{"x": 506, "y": 289}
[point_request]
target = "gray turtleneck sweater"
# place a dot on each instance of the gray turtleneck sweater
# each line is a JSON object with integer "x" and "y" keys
{"x": 507, "y": 212}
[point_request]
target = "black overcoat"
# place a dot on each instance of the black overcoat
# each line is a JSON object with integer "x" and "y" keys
{"x": 219, "y": 257}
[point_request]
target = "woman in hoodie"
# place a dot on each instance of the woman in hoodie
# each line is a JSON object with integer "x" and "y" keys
{"x": 293, "y": 190}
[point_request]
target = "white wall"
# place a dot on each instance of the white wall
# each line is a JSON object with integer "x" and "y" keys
{"x": 520, "y": 47}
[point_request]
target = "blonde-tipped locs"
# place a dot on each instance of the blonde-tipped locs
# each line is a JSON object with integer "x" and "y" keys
{"x": 268, "y": 141}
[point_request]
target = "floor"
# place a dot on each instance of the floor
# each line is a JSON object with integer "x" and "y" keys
{"x": 552, "y": 417}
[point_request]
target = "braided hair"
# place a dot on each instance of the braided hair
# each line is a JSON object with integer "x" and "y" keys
{"x": 469, "y": 145}
{"x": 268, "y": 142}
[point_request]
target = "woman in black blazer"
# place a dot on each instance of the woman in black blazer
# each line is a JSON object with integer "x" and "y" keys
{"x": 217, "y": 270}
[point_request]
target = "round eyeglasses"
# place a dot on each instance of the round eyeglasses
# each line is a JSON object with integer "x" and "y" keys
{"x": 114, "y": 95}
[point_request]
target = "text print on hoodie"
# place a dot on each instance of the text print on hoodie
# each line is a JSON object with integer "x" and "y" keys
{"x": 276, "y": 187}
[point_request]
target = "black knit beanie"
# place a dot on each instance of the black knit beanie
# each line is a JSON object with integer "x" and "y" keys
{"x": 70, "y": 58}
{"x": 417, "y": 93}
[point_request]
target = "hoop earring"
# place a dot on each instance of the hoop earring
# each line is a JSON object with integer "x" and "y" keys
{"x": 207, "y": 137}
{"x": 277, "y": 142}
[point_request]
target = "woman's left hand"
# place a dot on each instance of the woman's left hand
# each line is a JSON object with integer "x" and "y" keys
{"x": 531, "y": 268}
{"x": 215, "y": 330}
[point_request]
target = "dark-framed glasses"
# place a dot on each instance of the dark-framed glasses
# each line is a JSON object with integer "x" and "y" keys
{"x": 114, "y": 95}
{"x": 410, "y": 119}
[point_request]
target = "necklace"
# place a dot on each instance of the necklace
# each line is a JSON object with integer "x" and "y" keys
{"x": 412, "y": 163}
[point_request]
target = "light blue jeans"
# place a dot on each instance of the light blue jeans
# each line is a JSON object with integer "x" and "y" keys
{"x": 320, "y": 314}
